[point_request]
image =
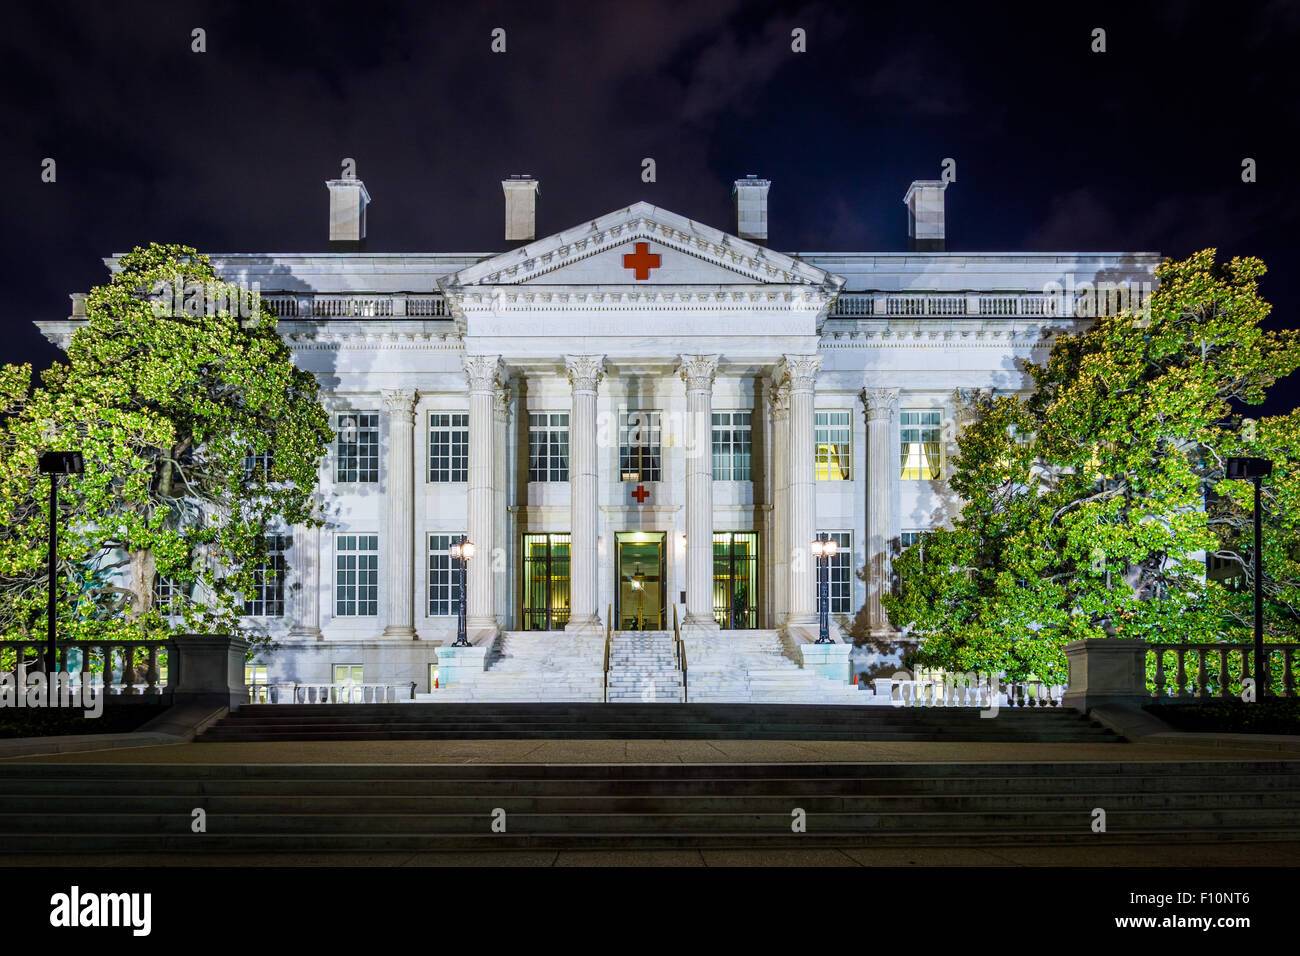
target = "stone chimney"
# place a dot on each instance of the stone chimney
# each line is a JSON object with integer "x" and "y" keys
{"x": 750, "y": 195}
{"x": 521, "y": 208}
{"x": 924, "y": 201}
{"x": 348, "y": 201}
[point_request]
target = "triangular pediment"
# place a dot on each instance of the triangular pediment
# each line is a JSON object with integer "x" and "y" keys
{"x": 642, "y": 246}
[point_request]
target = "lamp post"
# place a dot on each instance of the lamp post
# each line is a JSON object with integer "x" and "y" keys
{"x": 462, "y": 551}
{"x": 1255, "y": 470}
{"x": 55, "y": 463}
{"x": 823, "y": 550}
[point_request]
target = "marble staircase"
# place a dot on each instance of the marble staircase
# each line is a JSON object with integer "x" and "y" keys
{"x": 643, "y": 668}
{"x": 757, "y": 667}
{"x": 528, "y": 666}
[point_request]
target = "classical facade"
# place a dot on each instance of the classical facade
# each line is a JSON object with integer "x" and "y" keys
{"x": 637, "y": 419}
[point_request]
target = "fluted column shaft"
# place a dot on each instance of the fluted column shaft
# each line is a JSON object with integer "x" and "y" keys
{"x": 882, "y": 476}
{"x": 400, "y": 500}
{"x": 780, "y": 549}
{"x": 698, "y": 371}
{"x": 483, "y": 373}
{"x": 801, "y": 376}
{"x": 307, "y": 557}
{"x": 585, "y": 373}
{"x": 501, "y": 544}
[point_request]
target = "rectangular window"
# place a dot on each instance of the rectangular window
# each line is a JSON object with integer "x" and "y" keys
{"x": 357, "y": 459}
{"x": 909, "y": 538}
{"x": 267, "y": 597}
{"x": 920, "y": 448}
{"x": 833, "y": 436}
{"x": 255, "y": 677}
{"x": 732, "y": 438}
{"x": 640, "y": 457}
{"x": 167, "y": 594}
{"x": 449, "y": 446}
{"x": 258, "y": 465}
{"x": 548, "y": 446}
{"x": 348, "y": 681}
{"x": 444, "y": 576}
{"x": 841, "y": 572}
{"x": 356, "y": 582}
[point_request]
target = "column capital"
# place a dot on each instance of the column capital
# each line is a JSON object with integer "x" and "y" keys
{"x": 501, "y": 402}
{"x": 778, "y": 393}
{"x": 881, "y": 403}
{"x": 967, "y": 403}
{"x": 483, "y": 372}
{"x": 800, "y": 371}
{"x": 697, "y": 371}
{"x": 399, "y": 403}
{"x": 585, "y": 371}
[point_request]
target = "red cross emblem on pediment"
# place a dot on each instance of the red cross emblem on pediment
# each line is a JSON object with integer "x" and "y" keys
{"x": 641, "y": 261}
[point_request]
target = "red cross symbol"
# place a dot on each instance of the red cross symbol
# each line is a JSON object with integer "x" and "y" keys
{"x": 640, "y": 495}
{"x": 643, "y": 260}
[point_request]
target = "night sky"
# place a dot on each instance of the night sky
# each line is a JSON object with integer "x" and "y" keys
{"x": 1057, "y": 148}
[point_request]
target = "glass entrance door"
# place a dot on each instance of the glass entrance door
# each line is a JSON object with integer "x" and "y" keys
{"x": 735, "y": 579}
{"x": 641, "y": 582}
{"x": 546, "y": 582}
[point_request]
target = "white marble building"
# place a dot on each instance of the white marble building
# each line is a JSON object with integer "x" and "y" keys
{"x": 638, "y": 412}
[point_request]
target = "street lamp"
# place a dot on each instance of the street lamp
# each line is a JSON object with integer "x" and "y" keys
{"x": 823, "y": 550}
{"x": 55, "y": 463}
{"x": 1255, "y": 470}
{"x": 462, "y": 551}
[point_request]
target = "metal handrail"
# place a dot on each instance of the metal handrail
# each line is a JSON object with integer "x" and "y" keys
{"x": 681, "y": 651}
{"x": 609, "y": 610}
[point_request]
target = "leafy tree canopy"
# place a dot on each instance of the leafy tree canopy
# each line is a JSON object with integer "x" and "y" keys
{"x": 172, "y": 388}
{"x": 1088, "y": 503}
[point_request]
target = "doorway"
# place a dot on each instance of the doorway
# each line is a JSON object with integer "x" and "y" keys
{"x": 642, "y": 595}
{"x": 735, "y": 579}
{"x": 546, "y": 582}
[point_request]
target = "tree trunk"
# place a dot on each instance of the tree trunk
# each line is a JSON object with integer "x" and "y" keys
{"x": 143, "y": 567}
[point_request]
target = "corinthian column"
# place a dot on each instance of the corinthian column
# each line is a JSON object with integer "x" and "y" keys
{"x": 483, "y": 373}
{"x": 697, "y": 372}
{"x": 306, "y": 556}
{"x": 399, "y": 536}
{"x": 780, "y": 545}
{"x": 585, "y": 373}
{"x": 883, "y": 466}
{"x": 800, "y": 374}
{"x": 501, "y": 514}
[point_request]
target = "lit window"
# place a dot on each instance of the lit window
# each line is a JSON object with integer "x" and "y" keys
{"x": 833, "y": 434}
{"x": 920, "y": 448}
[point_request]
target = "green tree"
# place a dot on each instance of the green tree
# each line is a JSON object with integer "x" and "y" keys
{"x": 171, "y": 388}
{"x": 1088, "y": 503}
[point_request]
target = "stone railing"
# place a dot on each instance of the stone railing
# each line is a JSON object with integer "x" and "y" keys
{"x": 1205, "y": 671}
{"x": 321, "y": 305}
{"x": 324, "y": 692}
{"x": 971, "y": 304}
{"x": 956, "y": 690}
{"x": 113, "y": 668}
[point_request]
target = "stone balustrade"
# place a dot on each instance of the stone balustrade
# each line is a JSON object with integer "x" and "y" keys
{"x": 113, "y": 668}
{"x": 318, "y": 692}
{"x": 1179, "y": 671}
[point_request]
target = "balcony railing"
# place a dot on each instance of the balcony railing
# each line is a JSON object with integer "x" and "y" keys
{"x": 324, "y": 692}
{"x": 862, "y": 304}
{"x": 319, "y": 305}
